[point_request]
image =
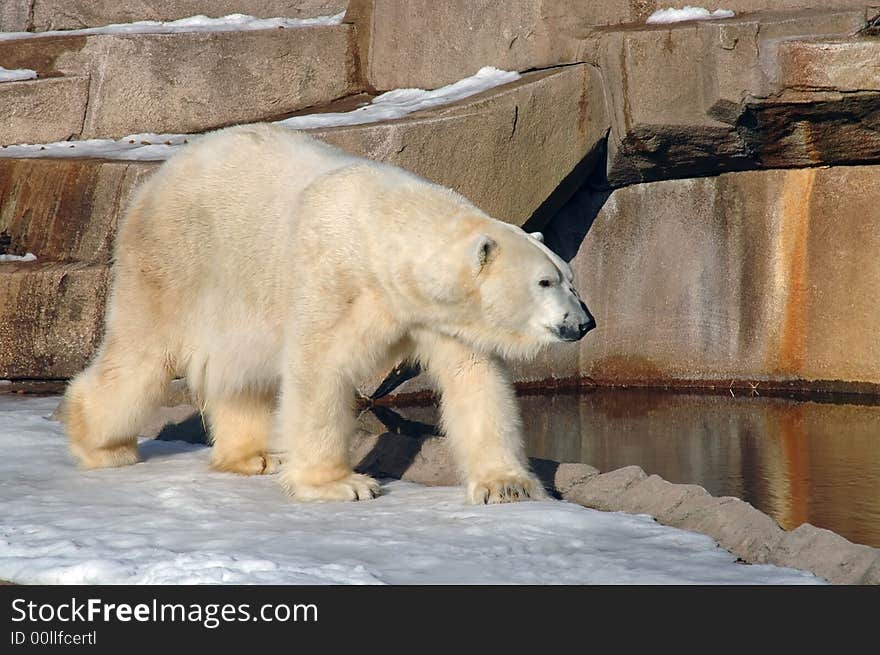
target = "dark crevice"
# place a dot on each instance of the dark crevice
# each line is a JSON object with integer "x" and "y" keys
{"x": 588, "y": 172}
{"x": 872, "y": 27}
{"x": 30, "y": 26}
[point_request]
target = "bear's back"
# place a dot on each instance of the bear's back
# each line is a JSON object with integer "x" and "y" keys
{"x": 219, "y": 213}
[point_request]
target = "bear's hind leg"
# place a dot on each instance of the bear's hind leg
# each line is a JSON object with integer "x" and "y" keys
{"x": 241, "y": 425}
{"x": 108, "y": 403}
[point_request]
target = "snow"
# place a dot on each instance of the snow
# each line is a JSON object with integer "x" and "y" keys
{"x": 387, "y": 106}
{"x": 170, "y": 519}
{"x": 400, "y": 102}
{"x": 16, "y": 74}
{"x": 134, "y": 147}
{"x": 29, "y": 257}
{"x": 663, "y": 16}
{"x": 230, "y": 23}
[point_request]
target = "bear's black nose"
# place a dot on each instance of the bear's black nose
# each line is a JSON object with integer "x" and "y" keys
{"x": 586, "y": 327}
{"x": 588, "y": 324}
{"x": 572, "y": 333}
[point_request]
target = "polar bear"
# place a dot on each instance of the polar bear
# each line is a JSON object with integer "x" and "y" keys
{"x": 275, "y": 271}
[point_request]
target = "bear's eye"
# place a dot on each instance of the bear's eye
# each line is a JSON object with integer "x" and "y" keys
{"x": 545, "y": 282}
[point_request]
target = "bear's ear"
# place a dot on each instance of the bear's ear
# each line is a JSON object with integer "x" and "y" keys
{"x": 483, "y": 250}
{"x": 537, "y": 236}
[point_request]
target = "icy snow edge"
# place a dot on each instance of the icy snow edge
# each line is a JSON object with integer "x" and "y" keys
{"x": 16, "y": 74}
{"x": 663, "y": 16}
{"x": 29, "y": 257}
{"x": 387, "y": 106}
{"x": 400, "y": 102}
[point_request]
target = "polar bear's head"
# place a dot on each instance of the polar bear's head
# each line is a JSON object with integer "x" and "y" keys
{"x": 526, "y": 291}
{"x": 518, "y": 295}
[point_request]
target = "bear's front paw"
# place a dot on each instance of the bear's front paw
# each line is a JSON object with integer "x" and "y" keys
{"x": 505, "y": 489}
{"x": 354, "y": 486}
{"x": 122, "y": 454}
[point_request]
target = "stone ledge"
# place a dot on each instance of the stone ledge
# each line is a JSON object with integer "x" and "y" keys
{"x": 841, "y": 65}
{"x": 263, "y": 73}
{"x": 694, "y": 99}
{"x": 43, "y": 110}
{"x": 45, "y": 15}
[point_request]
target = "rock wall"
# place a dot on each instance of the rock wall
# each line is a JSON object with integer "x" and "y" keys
{"x": 765, "y": 275}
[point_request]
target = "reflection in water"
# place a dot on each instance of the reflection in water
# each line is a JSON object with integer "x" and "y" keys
{"x": 797, "y": 461}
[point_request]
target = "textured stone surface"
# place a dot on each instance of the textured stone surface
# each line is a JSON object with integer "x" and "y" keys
{"x": 43, "y": 15}
{"x": 527, "y": 137}
{"x": 514, "y": 35}
{"x": 506, "y": 150}
{"x": 465, "y": 35}
{"x": 168, "y": 415}
{"x": 736, "y": 525}
{"x": 264, "y": 74}
{"x": 711, "y": 96}
{"x": 657, "y": 497}
{"x": 844, "y": 65}
{"x": 52, "y": 310}
{"x": 765, "y": 275}
{"x": 65, "y": 210}
{"x": 51, "y": 317}
{"x": 400, "y": 456}
{"x": 567, "y": 16}
{"x": 50, "y": 56}
{"x": 601, "y": 491}
{"x": 41, "y": 111}
{"x": 568, "y": 475}
{"x": 67, "y": 14}
{"x": 828, "y": 555}
{"x": 14, "y": 15}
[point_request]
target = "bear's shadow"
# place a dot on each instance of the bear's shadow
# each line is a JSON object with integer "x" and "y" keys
{"x": 391, "y": 457}
{"x": 191, "y": 430}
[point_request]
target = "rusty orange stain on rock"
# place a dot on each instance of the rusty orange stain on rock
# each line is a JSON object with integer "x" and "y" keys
{"x": 791, "y": 423}
{"x": 794, "y": 237}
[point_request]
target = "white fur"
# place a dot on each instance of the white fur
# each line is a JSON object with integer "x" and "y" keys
{"x": 275, "y": 271}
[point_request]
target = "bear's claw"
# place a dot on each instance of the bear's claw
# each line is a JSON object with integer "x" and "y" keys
{"x": 262, "y": 463}
{"x": 506, "y": 490}
{"x": 353, "y": 487}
